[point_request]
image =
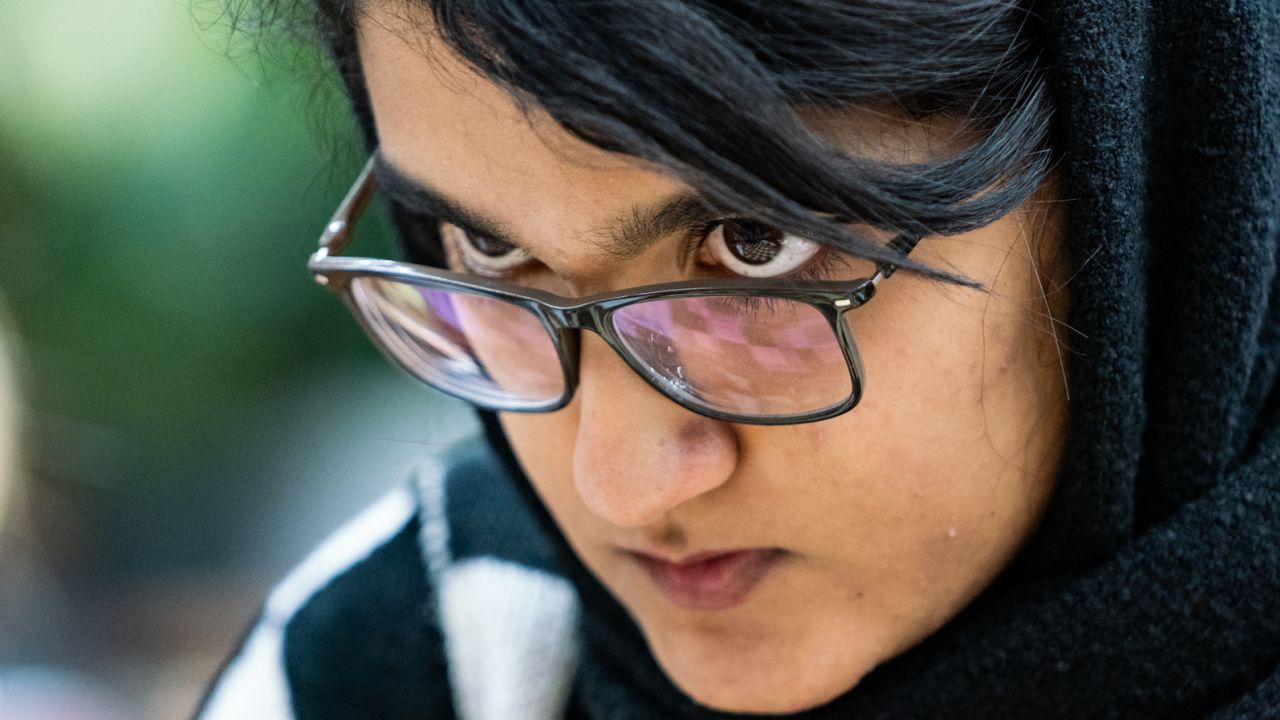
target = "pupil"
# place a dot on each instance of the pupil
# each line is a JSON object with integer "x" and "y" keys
{"x": 752, "y": 243}
{"x": 489, "y": 246}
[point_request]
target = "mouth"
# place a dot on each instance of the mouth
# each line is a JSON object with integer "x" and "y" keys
{"x": 709, "y": 581}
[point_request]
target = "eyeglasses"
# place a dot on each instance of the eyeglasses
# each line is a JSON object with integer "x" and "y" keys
{"x": 767, "y": 352}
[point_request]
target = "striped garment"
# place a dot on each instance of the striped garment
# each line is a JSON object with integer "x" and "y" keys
{"x": 439, "y": 601}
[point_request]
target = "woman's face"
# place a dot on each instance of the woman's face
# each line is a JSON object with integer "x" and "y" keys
{"x": 863, "y": 533}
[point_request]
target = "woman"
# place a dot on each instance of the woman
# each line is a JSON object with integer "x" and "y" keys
{"x": 1030, "y": 474}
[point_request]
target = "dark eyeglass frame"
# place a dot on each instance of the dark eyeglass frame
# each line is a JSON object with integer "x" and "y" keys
{"x": 562, "y": 315}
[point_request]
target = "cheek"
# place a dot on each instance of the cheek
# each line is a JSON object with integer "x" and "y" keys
{"x": 927, "y": 488}
{"x": 543, "y": 443}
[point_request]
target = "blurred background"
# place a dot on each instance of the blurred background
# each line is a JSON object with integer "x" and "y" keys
{"x": 183, "y": 413}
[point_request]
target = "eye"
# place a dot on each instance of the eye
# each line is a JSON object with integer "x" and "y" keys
{"x": 751, "y": 249}
{"x": 483, "y": 255}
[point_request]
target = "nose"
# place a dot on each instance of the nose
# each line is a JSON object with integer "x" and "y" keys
{"x": 637, "y": 454}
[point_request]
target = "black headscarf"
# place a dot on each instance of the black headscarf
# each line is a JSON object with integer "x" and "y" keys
{"x": 1152, "y": 587}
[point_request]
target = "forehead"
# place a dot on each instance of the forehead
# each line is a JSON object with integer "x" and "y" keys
{"x": 442, "y": 123}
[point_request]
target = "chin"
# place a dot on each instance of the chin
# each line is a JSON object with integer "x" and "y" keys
{"x": 738, "y": 674}
{"x": 763, "y": 706}
{"x": 760, "y": 696}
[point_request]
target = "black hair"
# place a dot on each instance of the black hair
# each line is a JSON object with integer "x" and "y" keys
{"x": 710, "y": 89}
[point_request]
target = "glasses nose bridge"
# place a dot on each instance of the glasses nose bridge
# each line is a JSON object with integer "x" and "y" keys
{"x": 584, "y": 317}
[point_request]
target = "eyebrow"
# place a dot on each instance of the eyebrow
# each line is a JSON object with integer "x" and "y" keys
{"x": 627, "y": 236}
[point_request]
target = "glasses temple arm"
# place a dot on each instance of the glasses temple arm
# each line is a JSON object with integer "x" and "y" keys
{"x": 338, "y": 233}
{"x": 904, "y": 244}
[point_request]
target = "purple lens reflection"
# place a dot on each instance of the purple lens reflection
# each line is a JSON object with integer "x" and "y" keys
{"x": 739, "y": 355}
{"x": 486, "y": 350}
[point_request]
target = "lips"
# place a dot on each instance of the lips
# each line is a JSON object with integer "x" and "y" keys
{"x": 709, "y": 581}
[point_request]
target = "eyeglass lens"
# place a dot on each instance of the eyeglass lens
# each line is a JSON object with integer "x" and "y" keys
{"x": 486, "y": 350}
{"x": 741, "y": 355}
{"x": 736, "y": 355}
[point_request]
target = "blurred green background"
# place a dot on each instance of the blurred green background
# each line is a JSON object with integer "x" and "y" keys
{"x": 198, "y": 412}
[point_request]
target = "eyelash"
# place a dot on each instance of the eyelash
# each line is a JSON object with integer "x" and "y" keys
{"x": 826, "y": 264}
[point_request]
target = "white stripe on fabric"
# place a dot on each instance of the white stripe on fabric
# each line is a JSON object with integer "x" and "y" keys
{"x": 511, "y": 637}
{"x": 254, "y": 684}
{"x": 510, "y": 631}
{"x": 433, "y": 536}
{"x": 352, "y": 543}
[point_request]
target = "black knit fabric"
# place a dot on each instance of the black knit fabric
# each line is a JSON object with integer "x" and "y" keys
{"x": 367, "y": 645}
{"x": 1152, "y": 589}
